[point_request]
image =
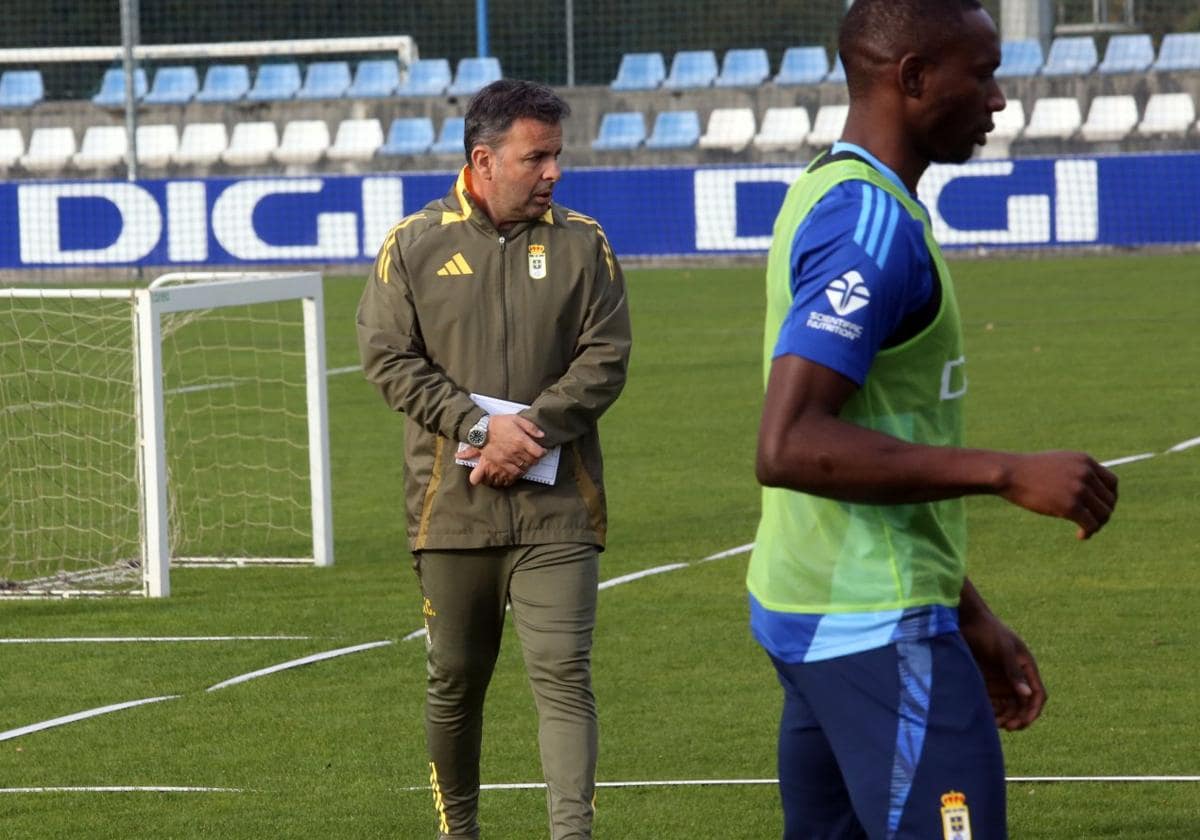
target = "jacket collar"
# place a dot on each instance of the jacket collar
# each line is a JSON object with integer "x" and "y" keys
{"x": 462, "y": 207}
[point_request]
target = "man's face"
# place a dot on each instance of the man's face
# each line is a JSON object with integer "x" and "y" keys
{"x": 523, "y": 169}
{"x": 962, "y": 93}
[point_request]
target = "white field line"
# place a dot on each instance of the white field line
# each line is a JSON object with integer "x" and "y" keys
{"x": 731, "y": 552}
{"x": 747, "y": 782}
{"x": 296, "y": 663}
{"x": 1128, "y": 459}
{"x": 542, "y": 786}
{"x": 214, "y": 386}
{"x": 632, "y": 576}
{"x": 117, "y": 639}
{"x": 90, "y": 713}
{"x": 122, "y": 789}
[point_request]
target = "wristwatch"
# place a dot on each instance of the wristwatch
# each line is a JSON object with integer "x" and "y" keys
{"x": 477, "y": 434}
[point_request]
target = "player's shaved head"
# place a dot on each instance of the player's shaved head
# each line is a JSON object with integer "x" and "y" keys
{"x": 876, "y": 33}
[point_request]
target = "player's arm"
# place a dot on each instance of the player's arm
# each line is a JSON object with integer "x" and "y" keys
{"x": 1009, "y": 669}
{"x": 804, "y": 445}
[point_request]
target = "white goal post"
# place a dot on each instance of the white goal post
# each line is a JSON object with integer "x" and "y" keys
{"x": 192, "y": 412}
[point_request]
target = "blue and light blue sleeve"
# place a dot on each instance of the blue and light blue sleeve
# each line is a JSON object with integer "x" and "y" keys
{"x": 859, "y": 266}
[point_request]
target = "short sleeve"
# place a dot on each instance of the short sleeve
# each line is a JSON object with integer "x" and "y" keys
{"x": 859, "y": 265}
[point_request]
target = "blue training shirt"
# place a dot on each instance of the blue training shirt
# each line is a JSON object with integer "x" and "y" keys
{"x": 860, "y": 266}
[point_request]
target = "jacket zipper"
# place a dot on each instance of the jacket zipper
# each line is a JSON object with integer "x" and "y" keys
{"x": 512, "y": 516}
{"x": 504, "y": 312}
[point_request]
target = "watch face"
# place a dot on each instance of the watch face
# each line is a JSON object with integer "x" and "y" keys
{"x": 476, "y": 436}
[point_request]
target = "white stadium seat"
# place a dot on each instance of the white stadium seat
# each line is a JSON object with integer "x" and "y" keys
{"x": 356, "y": 140}
{"x": 251, "y": 144}
{"x": 50, "y": 149}
{"x": 1168, "y": 113}
{"x": 729, "y": 128}
{"x": 1110, "y": 118}
{"x": 1009, "y": 123}
{"x": 1007, "y": 126}
{"x": 783, "y": 128}
{"x": 303, "y": 142}
{"x": 828, "y": 125}
{"x": 157, "y": 144}
{"x": 103, "y": 146}
{"x": 1054, "y": 117}
{"x": 12, "y": 146}
{"x": 202, "y": 144}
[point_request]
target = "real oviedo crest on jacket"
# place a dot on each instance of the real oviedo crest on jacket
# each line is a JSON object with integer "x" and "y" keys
{"x": 537, "y": 261}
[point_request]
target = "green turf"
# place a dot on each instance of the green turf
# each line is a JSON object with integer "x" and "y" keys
{"x": 1096, "y": 353}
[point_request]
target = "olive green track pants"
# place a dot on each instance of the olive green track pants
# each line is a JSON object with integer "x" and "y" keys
{"x": 552, "y": 590}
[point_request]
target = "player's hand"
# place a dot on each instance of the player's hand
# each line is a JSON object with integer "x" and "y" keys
{"x": 1009, "y": 671}
{"x": 511, "y": 449}
{"x": 1069, "y": 485}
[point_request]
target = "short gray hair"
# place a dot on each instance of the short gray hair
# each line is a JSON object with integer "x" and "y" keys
{"x": 494, "y": 109}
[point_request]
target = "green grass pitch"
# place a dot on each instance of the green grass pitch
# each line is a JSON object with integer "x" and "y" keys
{"x": 1095, "y": 353}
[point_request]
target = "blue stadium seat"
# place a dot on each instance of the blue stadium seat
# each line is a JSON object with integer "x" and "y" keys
{"x": 474, "y": 73}
{"x": 325, "y": 80}
{"x": 621, "y": 130}
{"x": 408, "y": 136}
{"x": 224, "y": 83}
{"x": 837, "y": 73}
{"x": 1019, "y": 58}
{"x": 802, "y": 66}
{"x": 173, "y": 86}
{"x": 112, "y": 87}
{"x": 21, "y": 88}
{"x": 640, "y": 71}
{"x": 1127, "y": 54}
{"x": 692, "y": 69}
{"x": 426, "y": 77}
{"x": 450, "y": 140}
{"x": 1070, "y": 56}
{"x": 1179, "y": 51}
{"x": 275, "y": 83}
{"x": 375, "y": 78}
{"x": 744, "y": 68}
{"x": 675, "y": 130}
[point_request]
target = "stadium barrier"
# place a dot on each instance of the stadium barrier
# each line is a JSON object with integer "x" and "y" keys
{"x": 1125, "y": 200}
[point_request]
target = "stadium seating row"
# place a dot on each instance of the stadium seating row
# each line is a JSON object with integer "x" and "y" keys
{"x": 1110, "y": 118}
{"x": 374, "y": 78}
{"x": 739, "y": 68}
{"x": 52, "y": 150}
{"x": 1076, "y": 55}
{"x": 181, "y": 84}
{"x": 306, "y": 141}
{"x": 806, "y": 65}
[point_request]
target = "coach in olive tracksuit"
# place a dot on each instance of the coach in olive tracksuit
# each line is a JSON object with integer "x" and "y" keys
{"x": 495, "y": 290}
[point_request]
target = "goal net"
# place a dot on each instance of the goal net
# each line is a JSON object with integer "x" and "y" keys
{"x": 180, "y": 424}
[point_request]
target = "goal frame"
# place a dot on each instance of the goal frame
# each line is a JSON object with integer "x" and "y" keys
{"x": 190, "y": 291}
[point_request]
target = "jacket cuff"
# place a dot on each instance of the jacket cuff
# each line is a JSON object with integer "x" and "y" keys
{"x": 469, "y": 419}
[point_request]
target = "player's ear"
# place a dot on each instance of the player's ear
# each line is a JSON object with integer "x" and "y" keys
{"x": 910, "y": 75}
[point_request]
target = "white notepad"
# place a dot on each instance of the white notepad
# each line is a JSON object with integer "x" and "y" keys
{"x": 544, "y": 470}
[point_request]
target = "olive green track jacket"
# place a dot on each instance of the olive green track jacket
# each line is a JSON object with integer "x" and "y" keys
{"x": 537, "y": 315}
